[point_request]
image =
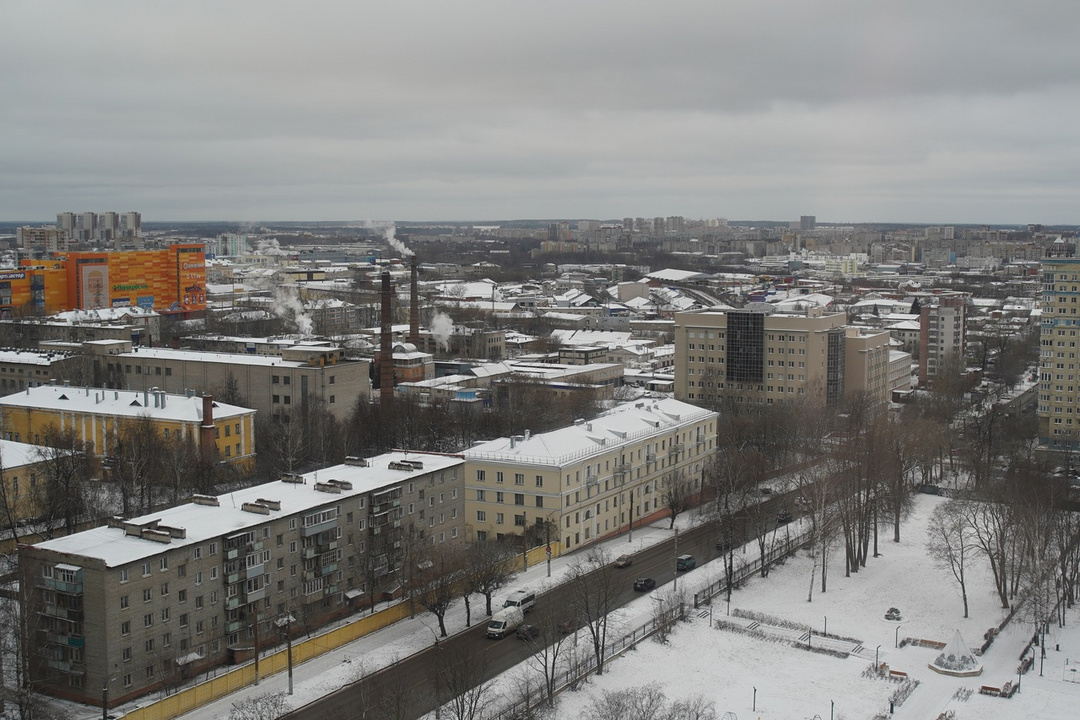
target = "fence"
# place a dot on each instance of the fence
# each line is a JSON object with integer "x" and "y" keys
{"x": 779, "y": 549}
{"x": 582, "y": 666}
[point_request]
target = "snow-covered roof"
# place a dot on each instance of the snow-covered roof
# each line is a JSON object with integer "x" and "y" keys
{"x": 591, "y": 337}
{"x": 672, "y": 275}
{"x": 162, "y": 353}
{"x": 119, "y": 403}
{"x": 17, "y": 454}
{"x": 628, "y": 421}
{"x": 206, "y": 522}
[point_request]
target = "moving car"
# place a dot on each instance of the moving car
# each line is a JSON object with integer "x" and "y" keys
{"x": 504, "y": 622}
{"x": 685, "y": 562}
{"x": 527, "y": 632}
{"x": 644, "y": 584}
{"x": 568, "y": 626}
{"x": 783, "y": 517}
{"x": 521, "y": 599}
{"x": 624, "y": 561}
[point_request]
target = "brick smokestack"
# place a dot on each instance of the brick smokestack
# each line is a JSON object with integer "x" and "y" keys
{"x": 207, "y": 441}
{"x": 414, "y": 307}
{"x": 386, "y": 346}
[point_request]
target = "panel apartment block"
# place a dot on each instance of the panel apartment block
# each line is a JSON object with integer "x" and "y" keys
{"x": 144, "y": 603}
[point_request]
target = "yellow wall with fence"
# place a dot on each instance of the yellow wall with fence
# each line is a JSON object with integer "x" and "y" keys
{"x": 186, "y": 700}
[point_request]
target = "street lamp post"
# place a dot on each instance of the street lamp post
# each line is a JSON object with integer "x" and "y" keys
{"x": 284, "y": 624}
{"x": 896, "y": 640}
{"x": 877, "y": 652}
{"x": 754, "y": 709}
{"x": 675, "y": 583}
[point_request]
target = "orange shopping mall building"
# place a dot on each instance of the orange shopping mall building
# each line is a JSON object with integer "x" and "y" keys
{"x": 170, "y": 280}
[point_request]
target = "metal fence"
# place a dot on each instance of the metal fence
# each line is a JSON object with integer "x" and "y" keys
{"x": 581, "y": 665}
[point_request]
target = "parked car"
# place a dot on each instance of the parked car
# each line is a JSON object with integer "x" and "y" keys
{"x": 783, "y": 517}
{"x": 568, "y": 626}
{"x": 624, "y": 561}
{"x": 527, "y": 632}
{"x": 685, "y": 562}
{"x": 724, "y": 545}
{"x": 644, "y": 584}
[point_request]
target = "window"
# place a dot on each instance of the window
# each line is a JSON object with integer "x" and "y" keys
{"x": 539, "y": 481}
{"x": 519, "y": 520}
{"x": 183, "y": 620}
{"x": 498, "y": 518}
{"x": 149, "y": 645}
{"x": 519, "y": 498}
{"x": 498, "y": 497}
{"x": 166, "y": 640}
{"x": 125, "y": 628}
{"x": 498, "y": 477}
{"x": 127, "y": 678}
{"x": 181, "y": 596}
{"x": 164, "y": 614}
{"x": 164, "y": 564}
{"x": 145, "y": 569}
{"x": 123, "y": 602}
{"x": 123, "y": 576}
{"x": 148, "y": 620}
{"x": 481, "y": 516}
{"x": 198, "y": 552}
{"x": 181, "y": 571}
{"x": 519, "y": 478}
{"x": 164, "y": 589}
{"x": 213, "y": 548}
{"x": 147, "y": 595}
{"x": 480, "y": 476}
{"x": 126, "y": 654}
{"x": 539, "y": 501}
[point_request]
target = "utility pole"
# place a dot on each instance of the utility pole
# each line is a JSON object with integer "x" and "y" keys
{"x": 675, "y": 583}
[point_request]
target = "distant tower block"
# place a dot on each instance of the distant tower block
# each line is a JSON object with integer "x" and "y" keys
{"x": 807, "y": 222}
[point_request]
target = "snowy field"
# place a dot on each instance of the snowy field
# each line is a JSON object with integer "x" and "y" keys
{"x": 725, "y": 666}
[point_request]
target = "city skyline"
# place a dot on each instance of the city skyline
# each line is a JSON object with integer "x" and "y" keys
{"x": 854, "y": 113}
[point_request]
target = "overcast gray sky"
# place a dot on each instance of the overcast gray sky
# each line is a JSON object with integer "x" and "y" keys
{"x": 939, "y": 111}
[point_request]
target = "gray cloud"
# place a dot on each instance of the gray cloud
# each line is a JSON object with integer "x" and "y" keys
{"x": 853, "y": 111}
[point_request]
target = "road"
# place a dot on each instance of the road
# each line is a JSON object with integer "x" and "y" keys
{"x": 410, "y": 682}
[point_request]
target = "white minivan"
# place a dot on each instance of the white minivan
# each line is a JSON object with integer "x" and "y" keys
{"x": 505, "y": 622}
{"x": 523, "y": 599}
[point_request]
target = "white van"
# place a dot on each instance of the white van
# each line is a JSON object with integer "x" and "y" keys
{"x": 505, "y": 622}
{"x": 523, "y": 599}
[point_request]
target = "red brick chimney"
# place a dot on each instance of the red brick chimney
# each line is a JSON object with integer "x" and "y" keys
{"x": 414, "y": 307}
{"x": 207, "y": 440}
{"x": 386, "y": 345}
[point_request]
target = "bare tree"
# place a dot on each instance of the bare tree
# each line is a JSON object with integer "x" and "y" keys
{"x": 137, "y": 463}
{"x": 548, "y": 644}
{"x": 647, "y": 702}
{"x": 61, "y": 496}
{"x": 594, "y": 587}
{"x": 13, "y": 501}
{"x": 460, "y": 675}
{"x": 262, "y": 707}
{"x": 490, "y": 566}
{"x": 950, "y": 544}
{"x": 435, "y": 581}
{"x": 677, "y": 494}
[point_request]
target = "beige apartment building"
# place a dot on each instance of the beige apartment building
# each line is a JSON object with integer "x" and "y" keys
{"x": 757, "y": 357}
{"x": 1059, "y": 367}
{"x": 589, "y": 480}
{"x": 141, "y": 604}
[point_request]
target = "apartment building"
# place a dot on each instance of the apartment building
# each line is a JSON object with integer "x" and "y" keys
{"x": 942, "y": 335}
{"x": 96, "y": 416}
{"x": 589, "y": 480}
{"x": 22, "y": 463}
{"x": 143, "y": 603}
{"x": 270, "y": 384}
{"x": 757, "y": 357}
{"x": 1059, "y": 378}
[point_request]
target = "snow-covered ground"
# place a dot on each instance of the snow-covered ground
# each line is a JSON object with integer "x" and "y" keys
{"x": 726, "y": 666}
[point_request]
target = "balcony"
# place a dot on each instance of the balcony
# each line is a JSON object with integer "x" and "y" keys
{"x": 234, "y": 626}
{"x": 321, "y": 527}
{"x": 75, "y": 588}
{"x": 69, "y": 614}
{"x": 256, "y": 595}
{"x": 233, "y": 602}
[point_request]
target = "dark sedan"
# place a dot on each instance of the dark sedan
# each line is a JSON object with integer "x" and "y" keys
{"x": 644, "y": 584}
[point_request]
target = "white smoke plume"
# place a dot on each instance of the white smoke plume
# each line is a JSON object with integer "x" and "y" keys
{"x": 441, "y": 327}
{"x": 287, "y": 307}
{"x": 267, "y": 246}
{"x": 388, "y": 230}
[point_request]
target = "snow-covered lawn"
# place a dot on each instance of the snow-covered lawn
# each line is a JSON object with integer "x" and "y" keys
{"x": 726, "y": 666}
